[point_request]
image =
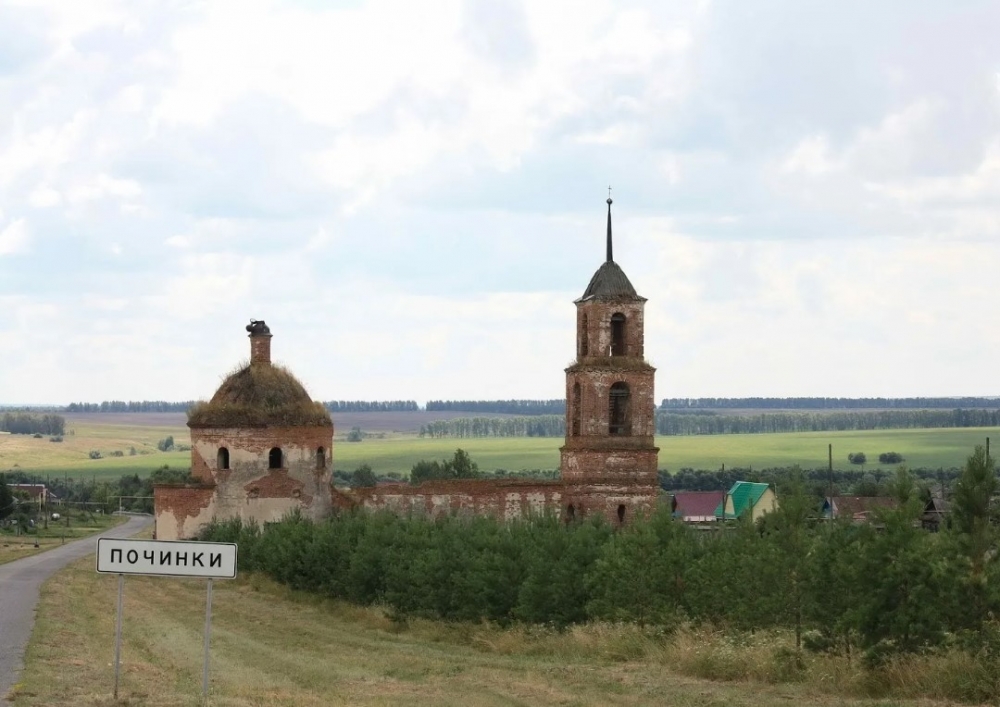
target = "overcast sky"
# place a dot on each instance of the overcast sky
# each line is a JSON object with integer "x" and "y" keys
{"x": 411, "y": 194}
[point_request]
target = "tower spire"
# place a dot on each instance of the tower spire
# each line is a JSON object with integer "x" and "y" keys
{"x": 610, "y": 258}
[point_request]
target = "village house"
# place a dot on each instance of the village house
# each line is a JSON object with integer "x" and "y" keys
{"x": 747, "y": 500}
{"x": 696, "y": 506}
{"x": 857, "y": 509}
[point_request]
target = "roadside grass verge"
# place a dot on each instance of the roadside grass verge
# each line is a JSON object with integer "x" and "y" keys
{"x": 273, "y": 646}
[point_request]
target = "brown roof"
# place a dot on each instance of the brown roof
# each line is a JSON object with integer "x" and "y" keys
{"x": 691, "y": 504}
{"x": 861, "y": 506}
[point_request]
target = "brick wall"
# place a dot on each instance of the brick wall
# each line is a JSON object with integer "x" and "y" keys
{"x": 503, "y": 499}
{"x": 182, "y": 511}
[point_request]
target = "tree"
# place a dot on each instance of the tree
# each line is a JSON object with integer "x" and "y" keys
{"x": 972, "y": 515}
{"x": 6, "y": 500}
{"x": 363, "y": 477}
{"x": 890, "y": 458}
{"x": 461, "y": 466}
{"x": 355, "y": 435}
{"x": 857, "y": 458}
{"x": 424, "y": 470}
{"x": 166, "y": 444}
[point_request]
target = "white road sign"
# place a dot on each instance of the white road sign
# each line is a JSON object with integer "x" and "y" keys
{"x": 173, "y": 558}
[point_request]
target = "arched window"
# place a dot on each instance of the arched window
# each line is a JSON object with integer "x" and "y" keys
{"x": 575, "y": 431}
{"x": 222, "y": 458}
{"x": 619, "y": 417}
{"x": 584, "y": 336}
{"x": 621, "y": 513}
{"x": 320, "y": 458}
{"x": 274, "y": 458}
{"x": 617, "y": 334}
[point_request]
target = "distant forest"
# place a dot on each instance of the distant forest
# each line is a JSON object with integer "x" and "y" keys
{"x": 371, "y": 405}
{"x": 22, "y": 423}
{"x": 826, "y": 403}
{"x": 510, "y": 407}
{"x": 695, "y": 407}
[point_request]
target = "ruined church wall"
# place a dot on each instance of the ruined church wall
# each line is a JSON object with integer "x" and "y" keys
{"x": 503, "y": 499}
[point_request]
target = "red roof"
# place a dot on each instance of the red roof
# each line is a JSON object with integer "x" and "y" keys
{"x": 695, "y": 504}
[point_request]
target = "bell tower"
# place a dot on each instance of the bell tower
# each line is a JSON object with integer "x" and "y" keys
{"x": 609, "y": 460}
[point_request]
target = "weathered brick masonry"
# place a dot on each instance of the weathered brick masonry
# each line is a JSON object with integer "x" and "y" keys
{"x": 259, "y": 449}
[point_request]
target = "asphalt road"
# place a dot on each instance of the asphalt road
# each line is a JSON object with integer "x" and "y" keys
{"x": 20, "y": 582}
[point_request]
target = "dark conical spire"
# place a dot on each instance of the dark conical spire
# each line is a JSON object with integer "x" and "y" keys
{"x": 609, "y": 228}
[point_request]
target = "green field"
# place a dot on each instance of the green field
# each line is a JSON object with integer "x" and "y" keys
{"x": 921, "y": 448}
{"x": 927, "y": 448}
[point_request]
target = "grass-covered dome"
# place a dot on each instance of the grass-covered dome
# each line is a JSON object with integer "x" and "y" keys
{"x": 259, "y": 395}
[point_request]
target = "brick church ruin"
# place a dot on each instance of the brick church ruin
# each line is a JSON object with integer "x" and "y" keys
{"x": 261, "y": 446}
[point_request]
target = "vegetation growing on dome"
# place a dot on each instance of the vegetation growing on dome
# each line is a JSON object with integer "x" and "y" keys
{"x": 259, "y": 396}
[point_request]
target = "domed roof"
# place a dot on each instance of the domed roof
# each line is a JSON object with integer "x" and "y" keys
{"x": 259, "y": 395}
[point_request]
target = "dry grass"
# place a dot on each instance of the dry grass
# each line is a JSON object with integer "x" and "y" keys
{"x": 273, "y": 647}
{"x": 257, "y": 396}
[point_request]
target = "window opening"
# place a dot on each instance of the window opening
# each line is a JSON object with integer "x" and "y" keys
{"x": 576, "y": 410}
{"x": 584, "y": 336}
{"x": 320, "y": 458}
{"x": 222, "y": 458}
{"x": 621, "y": 513}
{"x": 570, "y": 513}
{"x": 619, "y": 419}
{"x": 618, "y": 334}
{"x": 274, "y": 458}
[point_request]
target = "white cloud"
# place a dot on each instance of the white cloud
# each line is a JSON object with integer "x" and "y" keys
{"x": 14, "y": 237}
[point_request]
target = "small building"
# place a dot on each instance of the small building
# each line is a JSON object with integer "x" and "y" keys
{"x": 260, "y": 448}
{"x": 747, "y": 499}
{"x": 857, "y": 509}
{"x": 696, "y": 506}
{"x": 36, "y": 493}
{"x": 936, "y": 514}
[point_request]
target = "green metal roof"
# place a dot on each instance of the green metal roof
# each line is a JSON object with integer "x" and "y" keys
{"x": 744, "y": 495}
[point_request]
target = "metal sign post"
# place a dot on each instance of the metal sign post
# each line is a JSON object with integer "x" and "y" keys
{"x": 118, "y": 633}
{"x": 165, "y": 558}
{"x": 208, "y": 633}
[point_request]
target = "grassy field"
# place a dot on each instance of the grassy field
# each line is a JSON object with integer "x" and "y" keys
{"x": 103, "y": 433}
{"x": 930, "y": 448}
{"x": 272, "y": 647}
{"x": 14, "y": 547}
{"x": 921, "y": 448}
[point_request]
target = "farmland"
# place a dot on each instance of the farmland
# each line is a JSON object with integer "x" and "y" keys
{"x": 399, "y": 448}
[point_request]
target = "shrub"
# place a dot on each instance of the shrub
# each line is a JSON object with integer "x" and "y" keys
{"x": 890, "y": 458}
{"x": 94, "y": 454}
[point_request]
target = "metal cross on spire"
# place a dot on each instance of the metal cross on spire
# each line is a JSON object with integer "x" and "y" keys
{"x": 609, "y": 225}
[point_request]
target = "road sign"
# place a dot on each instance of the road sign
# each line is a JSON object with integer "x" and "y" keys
{"x": 165, "y": 558}
{"x": 173, "y": 558}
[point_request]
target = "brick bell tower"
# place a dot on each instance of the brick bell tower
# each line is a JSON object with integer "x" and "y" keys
{"x": 609, "y": 460}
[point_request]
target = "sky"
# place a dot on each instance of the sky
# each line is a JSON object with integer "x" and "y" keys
{"x": 412, "y": 195}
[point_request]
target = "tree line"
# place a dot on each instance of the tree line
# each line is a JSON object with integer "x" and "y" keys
{"x": 670, "y": 423}
{"x": 877, "y": 590}
{"x": 826, "y": 403}
{"x": 521, "y": 426}
{"x": 371, "y": 405}
{"x": 712, "y": 423}
{"x": 103, "y": 495}
{"x": 130, "y": 406}
{"x": 509, "y": 407}
{"x": 23, "y": 423}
